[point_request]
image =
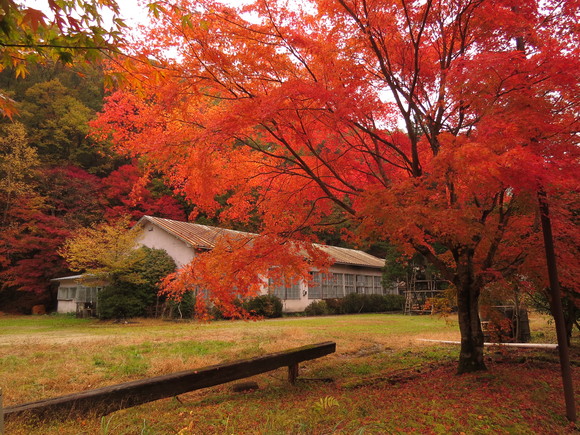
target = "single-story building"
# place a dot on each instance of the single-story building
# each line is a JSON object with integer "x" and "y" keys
{"x": 77, "y": 294}
{"x": 353, "y": 271}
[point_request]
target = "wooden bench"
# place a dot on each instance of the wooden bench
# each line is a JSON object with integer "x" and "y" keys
{"x": 104, "y": 400}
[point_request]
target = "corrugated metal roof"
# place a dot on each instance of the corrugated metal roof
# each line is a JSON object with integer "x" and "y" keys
{"x": 205, "y": 237}
{"x": 197, "y": 235}
{"x": 68, "y": 277}
{"x": 352, "y": 256}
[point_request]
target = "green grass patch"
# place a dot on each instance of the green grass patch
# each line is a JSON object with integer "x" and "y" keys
{"x": 383, "y": 379}
{"x": 10, "y": 325}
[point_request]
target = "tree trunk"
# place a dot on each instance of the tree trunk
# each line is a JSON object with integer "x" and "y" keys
{"x": 468, "y": 291}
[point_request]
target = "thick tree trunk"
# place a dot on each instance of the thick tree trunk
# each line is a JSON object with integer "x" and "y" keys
{"x": 468, "y": 291}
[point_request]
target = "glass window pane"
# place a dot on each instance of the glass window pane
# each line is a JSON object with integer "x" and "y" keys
{"x": 368, "y": 284}
{"x": 338, "y": 285}
{"x": 327, "y": 289}
{"x": 293, "y": 292}
{"x": 276, "y": 290}
{"x": 81, "y": 294}
{"x": 349, "y": 283}
{"x": 315, "y": 290}
{"x": 378, "y": 285}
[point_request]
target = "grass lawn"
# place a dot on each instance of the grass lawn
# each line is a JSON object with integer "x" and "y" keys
{"x": 384, "y": 380}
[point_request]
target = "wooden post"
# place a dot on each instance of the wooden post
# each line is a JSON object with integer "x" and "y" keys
{"x": 556, "y": 307}
{"x": 114, "y": 397}
{"x": 1, "y": 414}
{"x": 292, "y": 373}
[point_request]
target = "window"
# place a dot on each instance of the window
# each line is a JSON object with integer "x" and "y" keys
{"x": 67, "y": 293}
{"x": 287, "y": 291}
{"x": 338, "y": 285}
{"x": 293, "y": 291}
{"x": 278, "y": 291}
{"x": 348, "y": 284}
{"x": 87, "y": 294}
{"x": 327, "y": 286}
{"x": 378, "y": 285}
{"x": 315, "y": 290}
{"x": 368, "y": 280}
{"x": 360, "y": 284}
{"x": 81, "y": 295}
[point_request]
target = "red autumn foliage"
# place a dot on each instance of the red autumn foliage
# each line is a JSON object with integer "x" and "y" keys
{"x": 73, "y": 194}
{"x": 425, "y": 123}
{"x": 128, "y": 193}
{"x": 28, "y": 247}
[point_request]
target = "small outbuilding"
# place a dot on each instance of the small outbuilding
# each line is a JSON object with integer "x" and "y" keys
{"x": 78, "y": 294}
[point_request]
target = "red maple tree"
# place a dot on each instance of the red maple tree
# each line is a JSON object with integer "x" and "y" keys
{"x": 421, "y": 122}
{"x": 127, "y": 191}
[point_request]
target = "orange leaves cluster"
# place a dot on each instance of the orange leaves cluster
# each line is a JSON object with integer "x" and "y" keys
{"x": 240, "y": 267}
{"x": 424, "y": 122}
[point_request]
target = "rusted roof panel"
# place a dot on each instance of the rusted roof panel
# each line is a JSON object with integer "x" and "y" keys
{"x": 352, "y": 256}
{"x": 205, "y": 237}
{"x": 197, "y": 235}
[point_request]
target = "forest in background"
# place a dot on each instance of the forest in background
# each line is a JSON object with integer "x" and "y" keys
{"x": 55, "y": 179}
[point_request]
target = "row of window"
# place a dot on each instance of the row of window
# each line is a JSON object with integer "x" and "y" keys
{"x": 338, "y": 285}
{"x": 78, "y": 294}
{"x": 332, "y": 285}
{"x": 289, "y": 291}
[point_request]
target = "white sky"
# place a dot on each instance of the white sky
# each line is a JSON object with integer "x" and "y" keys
{"x": 135, "y": 11}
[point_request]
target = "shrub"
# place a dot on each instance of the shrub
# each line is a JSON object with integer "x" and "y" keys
{"x": 317, "y": 308}
{"x": 362, "y": 303}
{"x": 394, "y": 302}
{"x": 183, "y": 308}
{"x": 353, "y": 303}
{"x": 132, "y": 292}
{"x": 375, "y": 304}
{"x": 334, "y": 305}
{"x": 121, "y": 300}
{"x": 269, "y": 306}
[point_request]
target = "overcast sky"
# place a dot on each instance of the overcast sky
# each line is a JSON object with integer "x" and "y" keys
{"x": 133, "y": 11}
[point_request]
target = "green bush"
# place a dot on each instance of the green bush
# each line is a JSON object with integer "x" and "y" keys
{"x": 394, "y": 302}
{"x": 353, "y": 303}
{"x": 334, "y": 305}
{"x": 132, "y": 292}
{"x": 269, "y": 306}
{"x": 184, "y": 308}
{"x": 122, "y": 300}
{"x": 362, "y": 303}
{"x": 317, "y": 308}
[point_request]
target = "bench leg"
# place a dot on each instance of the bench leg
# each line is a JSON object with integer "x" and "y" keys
{"x": 1, "y": 415}
{"x": 292, "y": 373}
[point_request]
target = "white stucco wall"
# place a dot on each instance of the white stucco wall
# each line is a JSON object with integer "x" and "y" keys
{"x": 66, "y": 307}
{"x": 156, "y": 238}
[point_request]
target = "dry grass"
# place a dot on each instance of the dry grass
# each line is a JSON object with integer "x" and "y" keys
{"x": 48, "y": 358}
{"x": 40, "y": 361}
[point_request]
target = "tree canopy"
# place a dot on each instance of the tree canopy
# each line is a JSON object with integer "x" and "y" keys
{"x": 422, "y": 122}
{"x": 64, "y": 31}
